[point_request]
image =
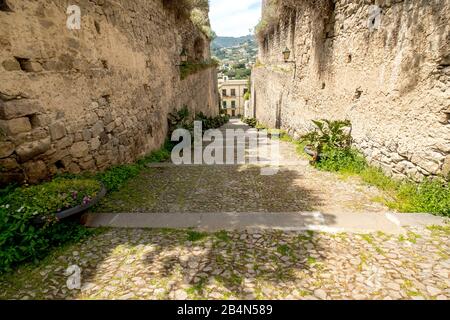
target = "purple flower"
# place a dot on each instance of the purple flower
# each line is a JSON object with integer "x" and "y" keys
{"x": 74, "y": 195}
{"x": 86, "y": 200}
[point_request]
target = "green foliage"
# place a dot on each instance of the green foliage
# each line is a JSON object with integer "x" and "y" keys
{"x": 269, "y": 19}
{"x": 190, "y": 68}
{"x": 182, "y": 119}
{"x": 195, "y": 236}
{"x": 252, "y": 122}
{"x": 376, "y": 177}
{"x": 212, "y": 122}
{"x": 342, "y": 160}
{"x": 329, "y": 135}
{"x": 223, "y": 236}
{"x": 247, "y": 96}
{"x": 336, "y": 155}
{"x": 116, "y": 177}
{"x": 22, "y": 237}
{"x": 431, "y": 196}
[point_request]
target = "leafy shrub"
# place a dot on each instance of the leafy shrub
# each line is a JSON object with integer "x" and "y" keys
{"x": 329, "y": 135}
{"x": 212, "y": 122}
{"x": 22, "y": 238}
{"x": 252, "y": 122}
{"x": 342, "y": 160}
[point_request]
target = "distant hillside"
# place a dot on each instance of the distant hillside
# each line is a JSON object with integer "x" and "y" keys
{"x": 227, "y": 42}
{"x": 235, "y": 55}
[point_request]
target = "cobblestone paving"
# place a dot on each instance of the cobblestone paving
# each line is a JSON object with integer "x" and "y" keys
{"x": 242, "y": 188}
{"x": 164, "y": 264}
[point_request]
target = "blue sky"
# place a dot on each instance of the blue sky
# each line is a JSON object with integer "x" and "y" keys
{"x": 234, "y": 18}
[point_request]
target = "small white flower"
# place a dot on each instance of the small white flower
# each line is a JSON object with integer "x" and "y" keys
{"x": 21, "y": 208}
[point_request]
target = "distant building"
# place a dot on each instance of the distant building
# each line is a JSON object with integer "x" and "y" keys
{"x": 232, "y": 95}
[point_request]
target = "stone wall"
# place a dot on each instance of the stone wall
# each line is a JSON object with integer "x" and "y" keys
{"x": 390, "y": 79}
{"x": 76, "y": 100}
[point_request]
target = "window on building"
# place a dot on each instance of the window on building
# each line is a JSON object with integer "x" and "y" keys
{"x": 224, "y": 92}
{"x": 233, "y": 104}
{"x": 224, "y": 104}
{"x": 233, "y": 92}
{"x": 245, "y": 90}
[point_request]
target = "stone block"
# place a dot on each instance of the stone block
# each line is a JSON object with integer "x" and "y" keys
{"x": 110, "y": 127}
{"x": 57, "y": 130}
{"x": 446, "y": 167}
{"x": 88, "y": 165}
{"x": 74, "y": 168}
{"x": 40, "y": 120}
{"x": 87, "y": 135}
{"x": 15, "y": 126}
{"x": 108, "y": 117}
{"x": 11, "y": 65}
{"x": 79, "y": 149}
{"x": 31, "y": 66}
{"x": 30, "y": 150}
{"x": 8, "y": 164}
{"x": 35, "y": 171}
{"x": 6, "y": 149}
{"x": 64, "y": 143}
{"x": 18, "y": 108}
{"x": 97, "y": 129}
{"x": 91, "y": 118}
{"x": 33, "y": 135}
{"x": 95, "y": 143}
{"x": 426, "y": 164}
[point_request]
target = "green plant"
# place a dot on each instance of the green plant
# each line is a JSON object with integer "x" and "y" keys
{"x": 252, "y": 122}
{"x": 190, "y": 68}
{"x": 431, "y": 196}
{"x": 114, "y": 178}
{"x": 180, "y": 119}
{"x": 22, "y": 238}
{"x": 195, "y": 236}
{"x": 342, "y": 160}
{"x": 329, "y": 135}
{"x": 212, "y": 122}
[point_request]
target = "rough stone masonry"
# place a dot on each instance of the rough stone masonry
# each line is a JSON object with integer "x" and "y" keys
{"x": 388, "y": 73}
{"x": 77, "y": 100}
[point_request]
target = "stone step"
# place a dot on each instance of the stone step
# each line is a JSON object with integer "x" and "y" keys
{"x": 391, "y": 223}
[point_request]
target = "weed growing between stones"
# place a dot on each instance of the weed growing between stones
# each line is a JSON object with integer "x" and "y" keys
{"x": 191, "y": 68}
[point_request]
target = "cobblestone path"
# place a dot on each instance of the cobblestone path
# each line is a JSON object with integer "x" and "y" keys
{"x": 241, "y": 188}
{"x": 163, "y": 264}
{"x": 252, "y": 264}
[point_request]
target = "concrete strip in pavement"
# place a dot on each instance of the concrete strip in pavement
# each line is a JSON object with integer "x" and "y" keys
{"x": 291, "y": 221}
